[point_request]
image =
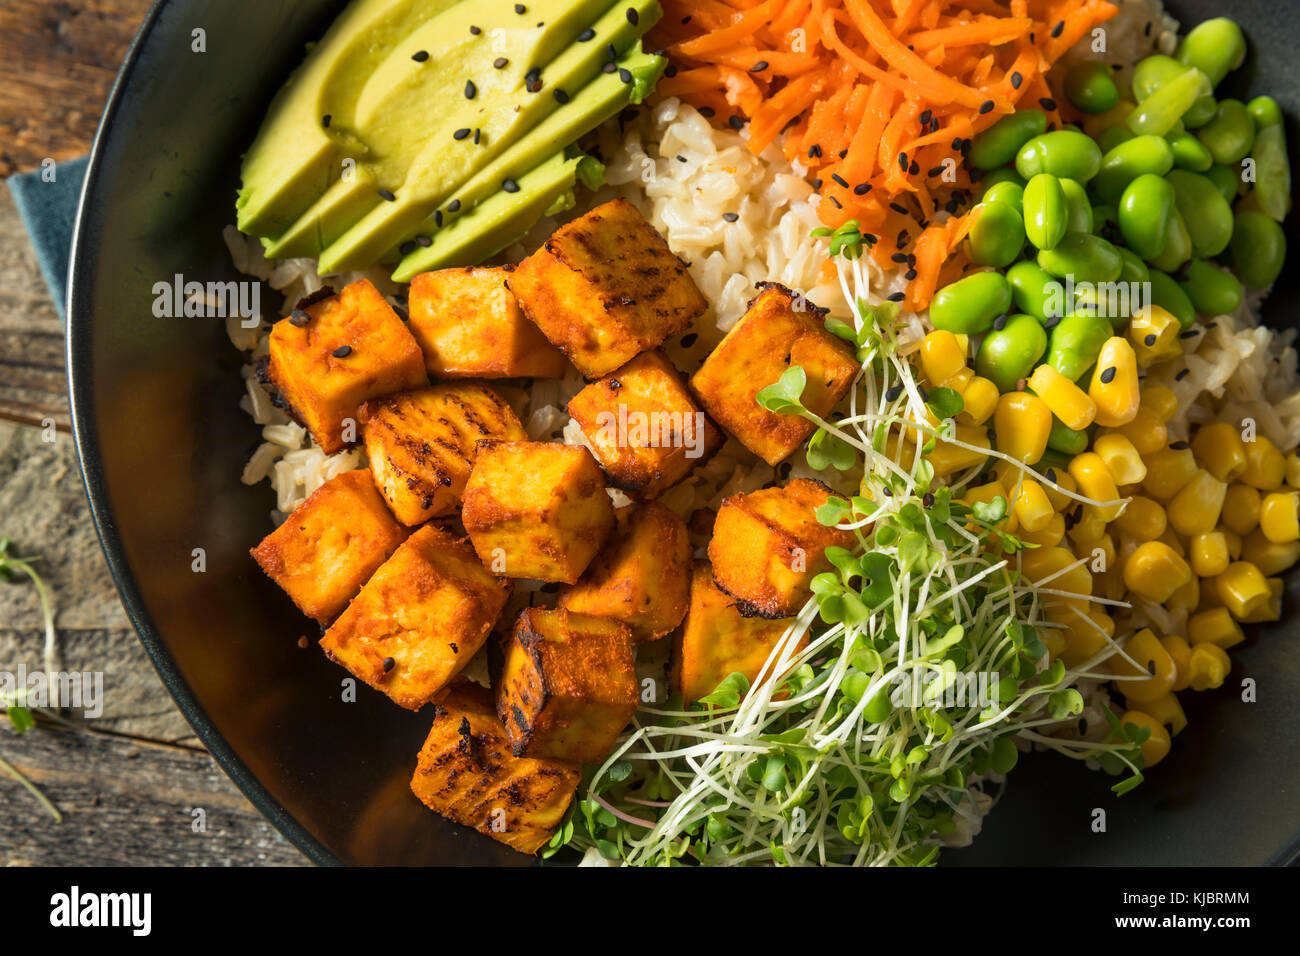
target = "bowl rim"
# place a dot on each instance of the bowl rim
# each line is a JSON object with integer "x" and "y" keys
{"x": 82, "y": 266}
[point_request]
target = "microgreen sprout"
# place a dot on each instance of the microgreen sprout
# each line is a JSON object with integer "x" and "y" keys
{"x": 909, "y": 682}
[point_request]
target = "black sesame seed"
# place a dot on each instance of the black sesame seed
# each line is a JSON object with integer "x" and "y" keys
{"x": 814, "y": 151}
{"x": 423, "y": 241}
{"x": 453, "y": 206}
{"x": 476, "y": 137}
{"x": 1016, "y": 80}
{"x": 1000, "y": 323}
{"x": 625, "y": 75}
{"x": 1047, "y": 103}
{"x": 1189, "y": 334}
{"x": 670, "y": 70}
{"x": 758, "y": 67}
{"x": 836, "y": 203}
{"x": 861, "y": 189}
{"x": 925, "y": 117}
{"x": 914, "y": 168}
{"x": 437, "y": 217}
{"x": 1108, "y": 375}
{"x": 389, "y": 664}
{"x": 325, "y": 120}
{"x": 407, "y": 247}
{"x": 899, "y": 208}
{"x": 520, "y": 9}
{"x": 1182, "y": 375}
{"x": 387, "y": 195}
{"x": 561, "y": 97}
{"x": 1058, "y": 29}
{"x": 896, "y": 297}
{"x": 892, "y": 393}
{"x": 902, "y": 161}
{"x": 730, "y": 216}
{"x": 1050, "y": 475}
{"x": 689, "y": 339}
{"x": 956, "y": 143}
{"x": 420, "y": 56}
{"x": 1150, "y": 339}
{"x": 471, "y": 90}
{"x": 986, "y": 107}
{"x": 840, "y": 179}
{"x": 1179, "y": 446}
{"x": 928, "y": 500}
{"x": 460, "y": 134}
{"x": 500, "y": 63}
{"x": 909, "y": 275}
{"x": 735, "y": 122}
{"x": 299, "y": 318}
{"x": 586, "y": 35}
{"x": 935, "y": 171}
{"x": 510, "y": 186}
{"x": 343, "y": 351}
{"x": 475, "y": 30}
{"x": 632, "y": 16}
{"x": 899, "y": 257}
{"x": 708, "y": 112}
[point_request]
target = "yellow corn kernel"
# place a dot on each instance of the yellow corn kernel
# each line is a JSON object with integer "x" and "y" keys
{"x": 1279, "y": 516}
{"x": 960, "y": 380}
{"x": 1271, "y": 557}
{"x": 1171, "y": 538}
{"x": 1086, "y": 636}
{"x": 941, "y": 356}
{"x": 1067, "y": 401}
{"x": 986, "y": 494}
{"x": 1209, "y": 665}
{"x": 981, "y": 399}
{"x": 1214, "y": 626}
{"x": 1154, "y": 334}
{"x": 1032, "y": 507}
{"x": 1160, "y": 401}
{"x": 1143, "y": 518}
{"x": 1146, "y": 431}
{"x": 1243, "y": 589}
{"x": 1219, "y": 450}
{"x": 1241, "y": 505}
{"x": 1232, "y": 540}
{"x": 1197, "y": 506}
{"x": 947, "y": 458}
{"x": 1293, "y": 469}
{"x": 1156, "y": 747}
{"x": 1154, "y": 571}
{"x": 1096, "y": 482}
{"x": 1046, "y": 537}
{"x": 1154, "y": 673}
{"x": 1114, "y": 384}
{"x": 1181, "y": 651}
{"x": 1168, "y": 470}
{"x": 1167, "y": 710}
{"x": 1209, "y": 554}
{"x": 1088, "y": 528}
{"x": 1022, "y": 423}
{"x": 1271, "y": 610}
{"x": 1123, "y": 460}
{"x": 1265, "y": 466}
{"x": 1062, "y": 479}
{"x": 1187, "y": 597}
{"x": 1047, "y": 567}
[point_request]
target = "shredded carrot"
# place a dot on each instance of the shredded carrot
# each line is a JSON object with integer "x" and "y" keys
{"x": 877, "y": 99}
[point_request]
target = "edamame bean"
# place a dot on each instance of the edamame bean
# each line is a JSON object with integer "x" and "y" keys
{"x": 997, "y": 234}
{"x": 1079, "y": 206}
{"x": 1215, "y": 47}
{"x": 1230, "y": 135}
{"x": 1199, "y": 113}
{"x": 1129, "y": 160}
{"x": 1265, "y": 112}
{"x": 1035, "y": 291}
{"x": 1258, "y": 249}
{"x": 1190, "y": 153}
{"x": 1066, "y": 440}
{"x": 1003, "y": 174}
{"x": 1178, "y": 244}
{"x": 1143, "y": 214}
{"x": 1105, "y": 222}
{"x": 1082, "y": 256}
{"x": 1162, "y": 110}
{"x": 1046, "y": 213}
{"x": 998, "y": 144}
{"x": 1227, "y": 180}
{"x": 1010, "y": 351}
{"x": 970, "y": 304}
{"x": 1211, "y": 291}
{"x": 1133, "y": 271}
{"x": 1094, "y": 126}
{"x": 1112, "y": 137}
{"x": 1064, "y": 153}
{"x": 1153, "y": 72}
{"x": 1169, "y": 295}
{"x": 1089, "y": 87}
{"x": 1076, "y": 342}
{"x": 1207, "y": 217}
{"x": 1007, "y": 191}
{"x": 1272, "y": 172}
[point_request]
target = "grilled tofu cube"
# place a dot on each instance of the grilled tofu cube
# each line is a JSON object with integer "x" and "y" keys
{"x": 642, "y": 577}
{"x": 330, "y": 545}
{"x": 717, "y": 640}
{"x": 568, "y": 685}
{"x": 421, "y": 444}
{"x": 773, "y": 335}
{"x": 536, "y": 510}
{"x": 645, "y": 428}
{"x": 466, "y": 773}
{"x": 469, "y": 325}
{"x": 768, "y": 545}
{"x": 605, "y": 288}
{"x": 351, "y": 347}
{"x": 419, "y": 620}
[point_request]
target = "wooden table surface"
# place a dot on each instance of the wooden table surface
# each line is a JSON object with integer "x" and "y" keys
{"x": 129, "y": 783}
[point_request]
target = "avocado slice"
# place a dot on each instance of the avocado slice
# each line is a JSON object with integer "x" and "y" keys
{"x": 296, "y": 156}
{"x": 597, "y": 96}
{"x": 407, "y": 112}
{"x": 598, "y": 101}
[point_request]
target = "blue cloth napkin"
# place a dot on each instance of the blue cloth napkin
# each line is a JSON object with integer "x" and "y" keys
{"x": 48, "y": 210}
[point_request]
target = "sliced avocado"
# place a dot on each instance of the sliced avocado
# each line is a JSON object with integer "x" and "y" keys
{"x": 407, "y": 112}
{"x": 296, "y": 156}
{"x": 499, "y": 221}
{"x": 599, "y": 100}
{"x": 434, "y": 182}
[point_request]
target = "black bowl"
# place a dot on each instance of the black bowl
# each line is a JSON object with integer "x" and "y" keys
{"x": 162, "y": 441}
